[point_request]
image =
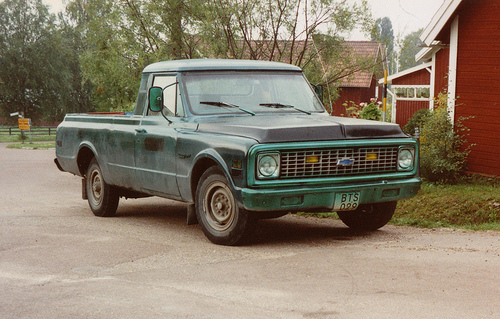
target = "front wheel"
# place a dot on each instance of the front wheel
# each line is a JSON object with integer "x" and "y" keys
{"x": 221, "y": 219}
{"x": 369, "y": 217}
{"x": 103, "y": 198}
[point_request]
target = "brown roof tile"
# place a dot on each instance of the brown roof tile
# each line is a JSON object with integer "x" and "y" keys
{"x": 365, "y": 49}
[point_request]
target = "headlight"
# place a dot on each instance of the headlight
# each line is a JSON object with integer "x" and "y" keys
{"x": 406, "y": 159}
{"x": 268, "y": 165}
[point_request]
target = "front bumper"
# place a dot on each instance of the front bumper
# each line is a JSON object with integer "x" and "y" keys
{"x": 321, "y": 198}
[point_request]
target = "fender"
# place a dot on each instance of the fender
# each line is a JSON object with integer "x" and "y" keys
{"x": 201, "y": 161}
{"x": 84, "y": 157}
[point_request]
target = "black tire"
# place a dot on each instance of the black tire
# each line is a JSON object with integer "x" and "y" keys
{"x": 102, "y": 197}
{"x": 218, "y": 213}
{"x": 369, "y": 217}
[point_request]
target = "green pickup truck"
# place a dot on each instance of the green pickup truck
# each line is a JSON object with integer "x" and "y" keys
{"x": 239, "y": 141}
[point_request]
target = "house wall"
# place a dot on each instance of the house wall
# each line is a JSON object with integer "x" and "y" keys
{"x": 356, "y": 95}
{"x": 441, "y": 71}
{"x": 405, "y": 108}
{"x": 478, "y": 82}
{"x": 347, "y": 94}
{"x": 422, "y": 77}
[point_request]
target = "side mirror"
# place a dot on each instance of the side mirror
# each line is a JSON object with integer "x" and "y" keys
{"x": 319, "y": 91}
{"x": 156, "y": 99}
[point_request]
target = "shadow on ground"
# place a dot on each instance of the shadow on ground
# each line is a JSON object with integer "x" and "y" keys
{"x": 289, "y": 229}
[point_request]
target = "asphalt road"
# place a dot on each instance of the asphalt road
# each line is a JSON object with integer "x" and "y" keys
{"x": 59, "y": 261}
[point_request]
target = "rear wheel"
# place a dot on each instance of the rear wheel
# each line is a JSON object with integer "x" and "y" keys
{"x": 369, "y": 216}
{"x": 221, "y": 219}
{"x": 102, "y": 197}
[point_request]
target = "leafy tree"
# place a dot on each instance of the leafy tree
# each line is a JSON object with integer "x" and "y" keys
{"x": 34, "y": 78}
{"x": 124, "y": 36}
{"x": 338, "y": 62}
{"x": 308, "y": 34}
{"x": 410, "y": 46}
{"x": 293, "y": 31}
{"x": 382, "y": 32}
{"x": 72, "y": 27}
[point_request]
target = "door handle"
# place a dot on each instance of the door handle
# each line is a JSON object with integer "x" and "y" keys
{"x": 140, "y": 130}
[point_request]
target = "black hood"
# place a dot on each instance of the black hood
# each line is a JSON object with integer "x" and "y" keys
{"x": 299, "y": 128}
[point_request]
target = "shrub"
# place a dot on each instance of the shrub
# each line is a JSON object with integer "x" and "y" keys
{"x": 22, "y": 137}
{"x": 367, "y": 111}
{"x": 351, "y": 109}
{"x": 443, "y": 147}
{"x": 371, "y": 111}
{"x": 418, "y": 119}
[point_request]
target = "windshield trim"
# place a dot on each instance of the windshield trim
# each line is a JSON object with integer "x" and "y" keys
{"x": 228, "y": 111}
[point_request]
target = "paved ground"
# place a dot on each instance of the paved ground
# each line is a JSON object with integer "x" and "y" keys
{"x": 59, "y": 261}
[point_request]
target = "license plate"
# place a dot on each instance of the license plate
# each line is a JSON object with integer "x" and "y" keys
{"x": 346, "y": 201}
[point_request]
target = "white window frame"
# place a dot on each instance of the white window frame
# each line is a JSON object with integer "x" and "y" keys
{"x": 415, "y": 87}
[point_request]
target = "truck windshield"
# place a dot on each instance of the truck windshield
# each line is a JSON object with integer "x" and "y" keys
{"x": 251, "y": 91}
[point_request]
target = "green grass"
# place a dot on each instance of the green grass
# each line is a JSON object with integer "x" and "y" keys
{"x": 472, "y": 204}
{"x": 34, "y": 138}
{"x": 32, "y": 146}
{"x": 16, "y": 138}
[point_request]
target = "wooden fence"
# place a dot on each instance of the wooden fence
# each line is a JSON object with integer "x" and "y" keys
{"x": 39, "y": 130}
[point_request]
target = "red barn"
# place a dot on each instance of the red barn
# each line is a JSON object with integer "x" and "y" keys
{"x": 362, "y": 85}
{"x": 462, "y": 56}
{"x": 411, "y": 91}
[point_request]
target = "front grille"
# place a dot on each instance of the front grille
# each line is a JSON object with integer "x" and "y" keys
{"x": 338, "y": 162}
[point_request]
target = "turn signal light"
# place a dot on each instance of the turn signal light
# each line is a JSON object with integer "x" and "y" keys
{"x": 312, "y": 159}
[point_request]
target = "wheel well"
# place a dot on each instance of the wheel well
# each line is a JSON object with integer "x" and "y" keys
{"x": 199, "y": 168}
{"x": 85, "y": 155}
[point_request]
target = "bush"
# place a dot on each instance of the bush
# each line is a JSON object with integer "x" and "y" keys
{"x": 371, "y": 111}
{"x": 367, "y": 111}
{"x": 418, "y": 119}
{"x": 351, "y": 109}
{"x": 443, "y": 147}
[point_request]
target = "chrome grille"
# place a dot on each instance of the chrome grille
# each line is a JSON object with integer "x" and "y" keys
{"x": 338, "y": 162}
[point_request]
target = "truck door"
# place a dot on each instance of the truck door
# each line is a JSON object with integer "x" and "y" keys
{"x": 156, "y": 139}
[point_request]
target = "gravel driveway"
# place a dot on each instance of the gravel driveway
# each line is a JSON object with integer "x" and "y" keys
{"x": 59, "y": 261}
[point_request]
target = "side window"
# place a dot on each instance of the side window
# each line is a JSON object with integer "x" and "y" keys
{"x": 171, "y": 98}
{"x": 142, "y": 96}
{"x": 180, "y": 109}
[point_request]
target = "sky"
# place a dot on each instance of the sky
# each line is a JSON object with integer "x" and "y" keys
{"x": 406, "y": 15}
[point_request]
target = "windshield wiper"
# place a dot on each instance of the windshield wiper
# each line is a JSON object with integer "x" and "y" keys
{"x": 284, "y": 106}
{"x": 224, "y": 104}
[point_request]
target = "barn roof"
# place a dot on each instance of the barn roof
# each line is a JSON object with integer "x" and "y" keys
{"x": 431, "y": 32}
{"x": 369, "y": 49}
{"x": 406, "y": 72}
{"x": 439, "y": 20}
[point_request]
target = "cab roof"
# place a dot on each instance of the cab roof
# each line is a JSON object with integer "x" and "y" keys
{"x": 218, "y": 65}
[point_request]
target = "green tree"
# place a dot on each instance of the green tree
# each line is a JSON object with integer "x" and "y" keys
{"x": 112, "y": 52}
{"x": 410, "y": 46}
{"x": 124, "y": 36}
{"x": 309, "y": 34}
{"x": 34, "y": 77}
{"x": 292, "y": 31}
{"x": 73, "y": 28}
{"x": 382, "y": 32}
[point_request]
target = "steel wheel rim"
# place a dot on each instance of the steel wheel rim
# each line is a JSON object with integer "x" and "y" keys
{"x": 219, "y": 208}
{"x": 96, "y": 187}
